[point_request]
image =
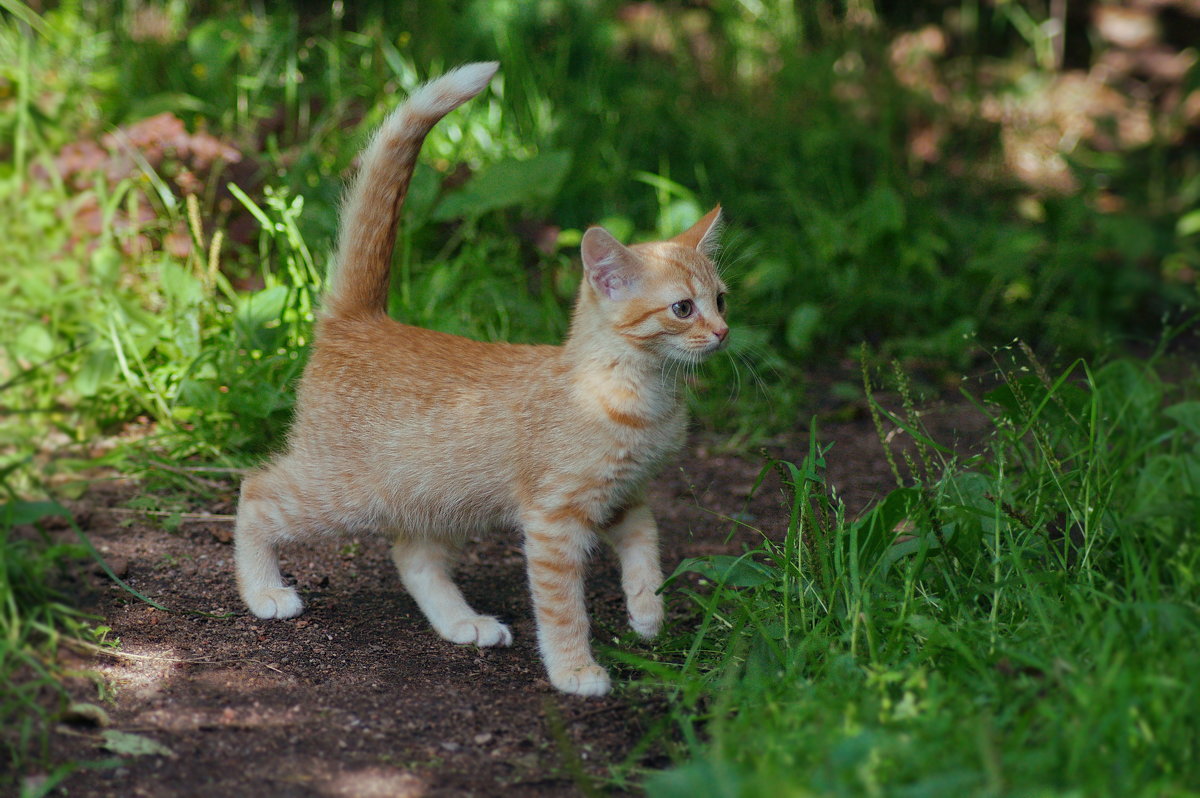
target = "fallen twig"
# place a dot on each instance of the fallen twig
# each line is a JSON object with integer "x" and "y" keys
{"x": 92, "y": 648}
{"x": 187, "y": 517}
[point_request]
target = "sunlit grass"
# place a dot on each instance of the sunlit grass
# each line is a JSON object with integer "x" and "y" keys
{"x": 1018, "y": 623}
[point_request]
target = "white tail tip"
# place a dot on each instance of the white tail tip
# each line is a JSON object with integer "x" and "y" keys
{"x": 441, "y": 95}
{"x": 473, "y": 77}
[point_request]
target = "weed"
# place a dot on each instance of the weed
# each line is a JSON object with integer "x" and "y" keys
{"x": 34, "y": 618}
{"x": 985, "y": 631}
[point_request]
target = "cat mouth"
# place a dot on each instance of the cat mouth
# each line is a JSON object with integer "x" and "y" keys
{"x": 701, "y": 353}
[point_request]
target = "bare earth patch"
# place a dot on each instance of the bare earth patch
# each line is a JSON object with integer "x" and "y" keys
{"x": 358, "y": 696}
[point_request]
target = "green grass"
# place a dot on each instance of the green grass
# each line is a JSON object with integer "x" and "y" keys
{"x": 794, "y": 120}
{"x": 34, "y": 618}
{"x": 1029, "y": 633}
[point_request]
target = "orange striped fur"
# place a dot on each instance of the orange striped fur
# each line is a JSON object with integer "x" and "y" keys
{"x": 430, "y": 438}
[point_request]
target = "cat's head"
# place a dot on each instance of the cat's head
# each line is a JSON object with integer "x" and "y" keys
{"x": 666, "y": 297}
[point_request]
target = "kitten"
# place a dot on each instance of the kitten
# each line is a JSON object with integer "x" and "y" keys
{"x": 430, "y": 438}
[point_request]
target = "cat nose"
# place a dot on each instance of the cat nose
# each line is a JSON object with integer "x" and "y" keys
{"x": 721, "y": 332}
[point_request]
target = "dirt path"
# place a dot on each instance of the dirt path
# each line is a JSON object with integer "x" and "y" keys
{"x": 358, "y": 696}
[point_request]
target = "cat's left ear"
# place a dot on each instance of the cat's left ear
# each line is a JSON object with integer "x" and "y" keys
{"x": 703, "y": 235}
{"x": 611, "y": 266}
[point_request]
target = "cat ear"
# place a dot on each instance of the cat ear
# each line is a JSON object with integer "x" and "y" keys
{"x": 703, "y": 235}
{"x": 611, "y": 267}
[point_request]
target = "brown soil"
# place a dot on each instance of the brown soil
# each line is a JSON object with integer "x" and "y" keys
{"x": 358, "y": 696}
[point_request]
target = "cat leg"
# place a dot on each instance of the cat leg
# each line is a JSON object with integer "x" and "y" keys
{"x": 265, "y": 518}
{"x": 634, "y": 536}
{"x": 424, "y": 567}
{"x": 556, "y": 549}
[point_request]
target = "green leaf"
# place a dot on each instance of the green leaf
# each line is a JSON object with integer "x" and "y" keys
{"x": 98, "y": 369}
{"x": 422, "y": 193}
{"x": 34, "y": 342}
{"x": 27, "y": 15}
{"x": 127, "y": 744}
{"x": 728, "y": 570}
{"x": 1188, "y": 224}
{"x": 802, "y": 327}
{"x": 83, "y": 712}
{"x": 678, "y": 216}
{"x": 621, "y": 227}
{"x": 1129, "y": 388}
{"x": 698, "y": 777}
{"x": 1157, "y": 485}
{"x": 215, "y": 42}
{"x": 258, "y": 311}
{"x": 876, "y": 530}
{"x": 179, "y": 285}
{"x": 105, "y": 267}
{"x": 881, "y": 213}
{"x": 505, "y": 184}
{"x": 258, "y": 213}
{"x": 25, "y": 512}
{"x": 1186, "y": 414}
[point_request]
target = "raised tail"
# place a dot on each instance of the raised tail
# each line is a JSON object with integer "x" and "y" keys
{"x": 361, "y": 270}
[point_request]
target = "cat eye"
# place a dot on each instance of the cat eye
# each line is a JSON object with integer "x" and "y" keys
{"x": 721, "y": 304}
{"x": 683, "y": 308}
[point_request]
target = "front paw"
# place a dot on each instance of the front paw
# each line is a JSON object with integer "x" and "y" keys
{"x": 590, "y": 680}
{"x": 646, "y": 613}
{"x": 275, "y": 602}
{"x": 482, "y": 630}
{"x": 646, "y": 628}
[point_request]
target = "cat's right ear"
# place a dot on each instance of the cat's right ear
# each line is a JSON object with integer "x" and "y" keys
{"x": 611, "y": 266}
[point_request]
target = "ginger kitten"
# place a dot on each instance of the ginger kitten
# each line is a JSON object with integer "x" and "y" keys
{"x": 429, "y": 438}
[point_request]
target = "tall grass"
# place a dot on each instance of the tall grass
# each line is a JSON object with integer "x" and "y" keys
{"x": 34, "y": 618}
{"x": 1019, "y": 622}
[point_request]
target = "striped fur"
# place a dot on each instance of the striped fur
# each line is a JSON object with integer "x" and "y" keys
{"x": 362, "y": 265}
{"x": 429, "y": 438}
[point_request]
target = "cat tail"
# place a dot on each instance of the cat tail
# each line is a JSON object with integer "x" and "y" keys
{"x": 361, "y": 270}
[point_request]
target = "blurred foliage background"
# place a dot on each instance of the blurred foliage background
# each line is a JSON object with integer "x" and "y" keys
{"x": 927, "y": 178}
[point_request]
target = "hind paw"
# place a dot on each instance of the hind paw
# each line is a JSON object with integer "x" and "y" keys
{"x": 590, "y": 680}
{"x": 275, "y": 602}
{"x": 482, "y": 630}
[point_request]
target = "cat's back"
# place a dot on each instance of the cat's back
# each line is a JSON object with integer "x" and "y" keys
{"x": 415, "y": 366}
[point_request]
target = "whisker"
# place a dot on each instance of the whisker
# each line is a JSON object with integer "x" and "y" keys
{"x": 736, "y": 388}
{"x": 759, "y": 382}
{"x": 734, "y": 253}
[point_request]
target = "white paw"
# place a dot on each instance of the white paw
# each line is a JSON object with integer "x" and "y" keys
{"x": 590, "y": 680}
{"x": 275, "y": 602}
{"x": 647, "y": 627}
{"x": 646, "y": 614}
{"x": 482, "y": 630}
